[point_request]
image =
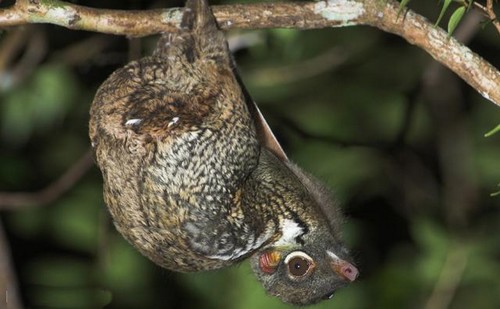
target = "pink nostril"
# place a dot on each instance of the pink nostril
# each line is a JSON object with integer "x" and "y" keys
{"x": 343, "y": 268}
{"x": 349, "y": 271}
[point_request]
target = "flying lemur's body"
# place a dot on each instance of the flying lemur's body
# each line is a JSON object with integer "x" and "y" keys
{"x": 194, "y": 178}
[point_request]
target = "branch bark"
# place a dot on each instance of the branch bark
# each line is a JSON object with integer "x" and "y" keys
{"x": 477, "y": 72}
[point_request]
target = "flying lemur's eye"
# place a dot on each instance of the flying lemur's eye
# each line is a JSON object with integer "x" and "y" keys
{"x": 299, "y": 264}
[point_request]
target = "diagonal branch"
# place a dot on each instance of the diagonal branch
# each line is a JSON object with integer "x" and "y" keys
{"x": 298, "y": 15}
{"x": 489, "y": 12}
{"x": 18, "y": 200}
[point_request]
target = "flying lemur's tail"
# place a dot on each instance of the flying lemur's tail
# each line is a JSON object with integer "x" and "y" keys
{"x": 198, "y": 35}
{"x": 197, "y": 16}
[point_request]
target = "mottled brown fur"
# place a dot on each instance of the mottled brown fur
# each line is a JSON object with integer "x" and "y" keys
{"x": 193, "y": 178}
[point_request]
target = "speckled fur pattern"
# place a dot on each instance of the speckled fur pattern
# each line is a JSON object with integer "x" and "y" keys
{"x": 161, "y": 175}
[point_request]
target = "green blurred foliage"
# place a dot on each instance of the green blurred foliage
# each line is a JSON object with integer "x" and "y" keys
{"x": 342, "y": 122}
{"x": 38, "y": 104}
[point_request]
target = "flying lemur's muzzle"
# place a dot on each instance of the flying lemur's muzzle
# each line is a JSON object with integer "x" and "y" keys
{"x": 343, "y": 268}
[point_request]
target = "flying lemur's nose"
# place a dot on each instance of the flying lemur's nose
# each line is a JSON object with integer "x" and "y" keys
{"x": 343, "y": 268}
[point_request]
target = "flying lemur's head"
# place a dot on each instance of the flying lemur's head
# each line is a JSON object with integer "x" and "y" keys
{"x": 308, "y": 262}
{"x": 304, "y": 274}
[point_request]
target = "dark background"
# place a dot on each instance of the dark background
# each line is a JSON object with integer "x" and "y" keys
{"x": 399, "y": 139}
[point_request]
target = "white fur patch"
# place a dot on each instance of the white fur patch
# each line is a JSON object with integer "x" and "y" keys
{"x": 297, "y": 253}
{"x": 289, "y": 231}
{"x": 332, "y": 255}
{"x": 132, "y": 122}
{"x": 174, "y": 121}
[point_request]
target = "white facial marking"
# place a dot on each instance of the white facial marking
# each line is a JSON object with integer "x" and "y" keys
{"x": 132, "y": 122}
{"x": 289, "y": 231}
{"x": 295, "y": 254}
{"x": 332, "y": 255}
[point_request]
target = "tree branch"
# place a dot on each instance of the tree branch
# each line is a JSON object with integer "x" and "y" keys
{"x": 449, "y": 279}
{"x": 298, "y": 15}
{"x": 489, "y": 12}
{"x": 17, "y": 200}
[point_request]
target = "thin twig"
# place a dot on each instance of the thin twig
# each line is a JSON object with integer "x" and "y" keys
{"x": 10, "y": 200}
{"x": 341, "y": 142}
{"x": 384, "y": 15}
{"x": 11, "y": 43}
{"x": 83, "y": 51}
{"x": 449, "y": 279}
{"x": 489, "y": 12}
{"x": 492, "y": 15}
{"x": 32, "y": 54}
{"x": 308, "y": 68}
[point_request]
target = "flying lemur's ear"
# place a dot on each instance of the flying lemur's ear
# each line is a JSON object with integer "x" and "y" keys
{"x": 264, "y": 133}
{"x": 269, "y": 261}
